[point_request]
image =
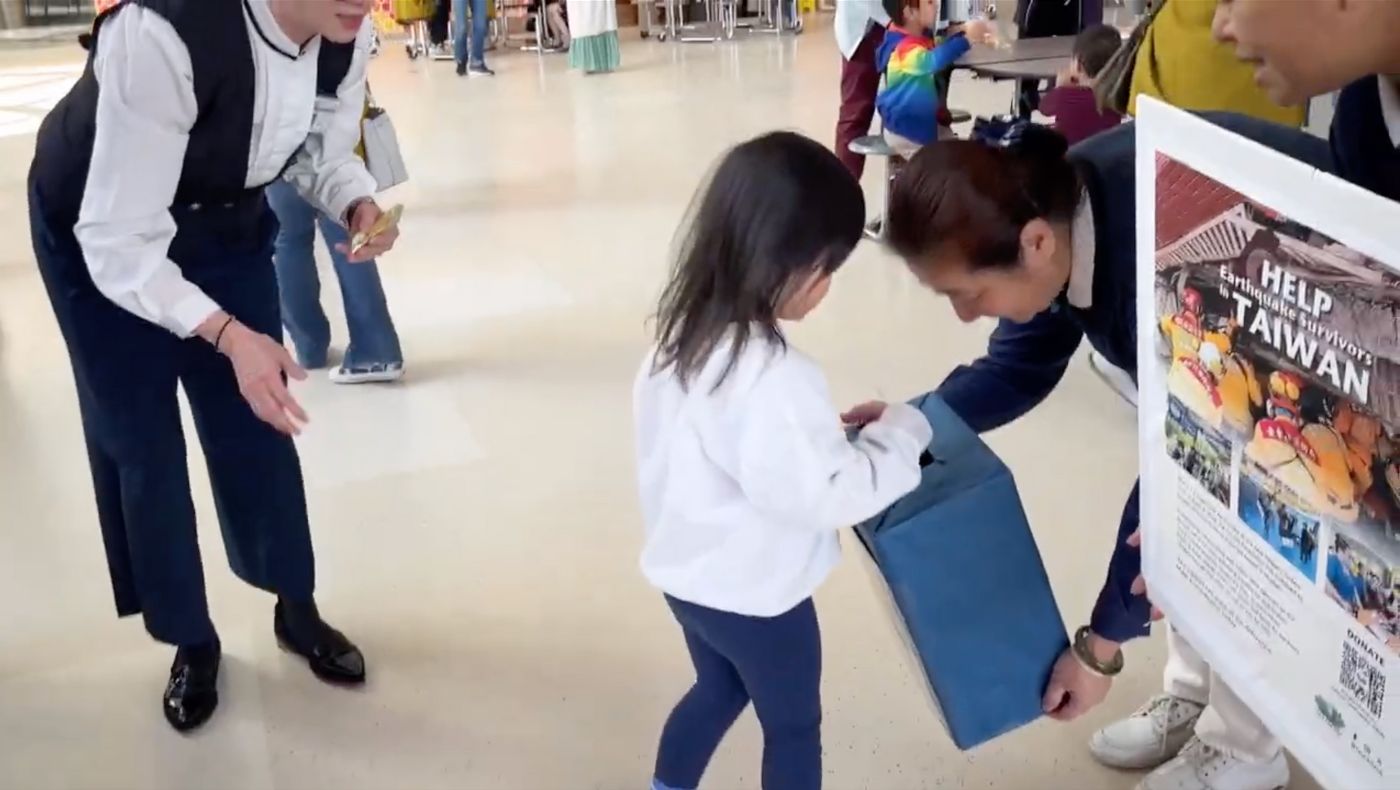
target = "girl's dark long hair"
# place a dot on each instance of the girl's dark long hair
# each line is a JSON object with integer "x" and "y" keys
{"x": 777, "y": 208}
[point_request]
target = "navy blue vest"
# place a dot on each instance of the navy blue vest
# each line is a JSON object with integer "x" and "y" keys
{"x": 216, "y": 160}
{"x": 1361, "y": 145}
{"x": 1107, "y": 162}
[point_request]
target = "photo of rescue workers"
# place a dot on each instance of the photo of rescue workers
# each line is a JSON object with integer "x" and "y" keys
{"x": 1285, "y": 344}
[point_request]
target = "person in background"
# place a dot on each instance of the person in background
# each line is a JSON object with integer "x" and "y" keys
{"x": 1230, "y": 748}
{"x": 154, "y": 242}
{"x": 745, "y": 472}
{"x": 438, "y": 30}
{"x": 1183, "y": 65}
{"x": 1071, "y": 102}
{"x": 373, "y": 353}
{"x": 1043, "y": 18}
{"x": 471, "y": 60}
{"x": 860, "y": 28}
{"x": 910, "y": 105}
{"x": 556, "y": 30}
{"x": 593, "y": 45}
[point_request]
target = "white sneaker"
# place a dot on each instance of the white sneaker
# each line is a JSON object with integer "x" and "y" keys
{"x": 1202, "y": 767}
{"x": 380, "y": 372}
{"x": 1150, "y": 737}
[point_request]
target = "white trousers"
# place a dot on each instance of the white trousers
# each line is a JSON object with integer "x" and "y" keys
{"x": 1227, "y": 723}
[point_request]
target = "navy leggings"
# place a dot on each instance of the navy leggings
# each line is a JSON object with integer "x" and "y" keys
{"x": 775, "y": 662}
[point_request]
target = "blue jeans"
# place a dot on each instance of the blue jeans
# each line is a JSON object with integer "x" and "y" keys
{"x": 459, "y": 35}
{"x": 372, "y": 336}
{"x": 775, "y": 662}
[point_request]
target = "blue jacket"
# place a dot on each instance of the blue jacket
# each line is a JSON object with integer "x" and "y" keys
{"x": 1025, "y": 362}
{"x": 910, "y": 103}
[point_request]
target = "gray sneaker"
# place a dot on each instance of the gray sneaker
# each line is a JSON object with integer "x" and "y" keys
{"x": 1150, "y": 737}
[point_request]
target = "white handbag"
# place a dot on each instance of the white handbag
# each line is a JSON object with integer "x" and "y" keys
{"x": 383, "y": 158}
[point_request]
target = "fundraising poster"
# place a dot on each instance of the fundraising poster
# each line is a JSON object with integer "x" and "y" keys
{"x": 1269, "y": 364}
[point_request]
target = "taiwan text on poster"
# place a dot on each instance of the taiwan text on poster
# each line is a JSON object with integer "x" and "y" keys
{"x": 1269, "y": 364}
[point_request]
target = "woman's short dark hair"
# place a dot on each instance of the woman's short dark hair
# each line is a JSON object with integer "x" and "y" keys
{"x": 976, "y": 198}
{"x": 777, "y": 207}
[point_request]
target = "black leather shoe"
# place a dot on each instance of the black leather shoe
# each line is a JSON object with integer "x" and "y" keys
{"x": 193, "y": 694}
{"x": 332, "y": 657}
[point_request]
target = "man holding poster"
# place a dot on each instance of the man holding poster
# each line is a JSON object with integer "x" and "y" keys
{"x": 1301, "y": 381}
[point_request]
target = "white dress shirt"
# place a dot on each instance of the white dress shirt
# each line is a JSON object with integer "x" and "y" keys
{"x": 743, "y": 489}
{"x": 145, "y": 110}
{"x": 853, "y": 19}
{"x": 1390, "y": 106}
{"x": 1083, "y": 246}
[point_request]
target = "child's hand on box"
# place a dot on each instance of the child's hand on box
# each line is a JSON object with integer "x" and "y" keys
{"x": 864, "y": 414}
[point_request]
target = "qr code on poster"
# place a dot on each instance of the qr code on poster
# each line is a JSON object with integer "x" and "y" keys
{"x": 1363, "y": 676}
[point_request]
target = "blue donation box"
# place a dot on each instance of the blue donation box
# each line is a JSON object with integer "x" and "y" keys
{"x": 968, "y": 585}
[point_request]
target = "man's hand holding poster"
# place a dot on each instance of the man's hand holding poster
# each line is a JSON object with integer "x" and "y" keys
{"x": 1269, "y": 334}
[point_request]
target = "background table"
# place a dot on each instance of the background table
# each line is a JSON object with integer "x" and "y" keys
{"x": 1021, "y": 60}
{"x": 1022, "y": 49}
{"x": 1038, "y": 69}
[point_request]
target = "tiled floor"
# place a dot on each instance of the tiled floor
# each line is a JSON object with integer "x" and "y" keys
{"x": 476, "y": 526}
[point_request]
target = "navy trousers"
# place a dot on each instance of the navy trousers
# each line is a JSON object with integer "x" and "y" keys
{"x": 775, "y": 662}
{"x": 127, "y": 372}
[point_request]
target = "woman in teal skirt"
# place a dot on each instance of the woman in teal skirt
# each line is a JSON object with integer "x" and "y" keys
{"x": 593, "y": 25}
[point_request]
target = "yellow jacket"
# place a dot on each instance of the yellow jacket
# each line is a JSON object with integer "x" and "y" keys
{"x": 1182, "y": 64}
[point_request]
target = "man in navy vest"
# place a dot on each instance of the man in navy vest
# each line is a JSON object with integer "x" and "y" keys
{"x": 1206, "y": 737}
{"x": 154, "y": 242}
{"x": 1366, "y": 69}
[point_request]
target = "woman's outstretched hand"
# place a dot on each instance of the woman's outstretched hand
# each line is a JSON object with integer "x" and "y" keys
{"x": 262, "y": 366}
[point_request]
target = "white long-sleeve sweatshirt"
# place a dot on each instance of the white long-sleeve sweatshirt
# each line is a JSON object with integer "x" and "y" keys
{"x": 743, "y": 489}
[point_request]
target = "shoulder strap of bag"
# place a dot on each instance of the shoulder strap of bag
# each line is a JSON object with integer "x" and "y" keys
{"x": 1113, "y": 89}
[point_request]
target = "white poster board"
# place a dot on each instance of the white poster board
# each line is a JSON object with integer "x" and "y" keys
{"x": 1269, "y": 427}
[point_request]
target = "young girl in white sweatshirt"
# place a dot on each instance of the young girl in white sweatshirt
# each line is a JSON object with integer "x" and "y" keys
{"x": 746, "y": 469}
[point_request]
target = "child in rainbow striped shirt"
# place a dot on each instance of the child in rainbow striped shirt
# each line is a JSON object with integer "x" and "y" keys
{"x": 909, "y": 104}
